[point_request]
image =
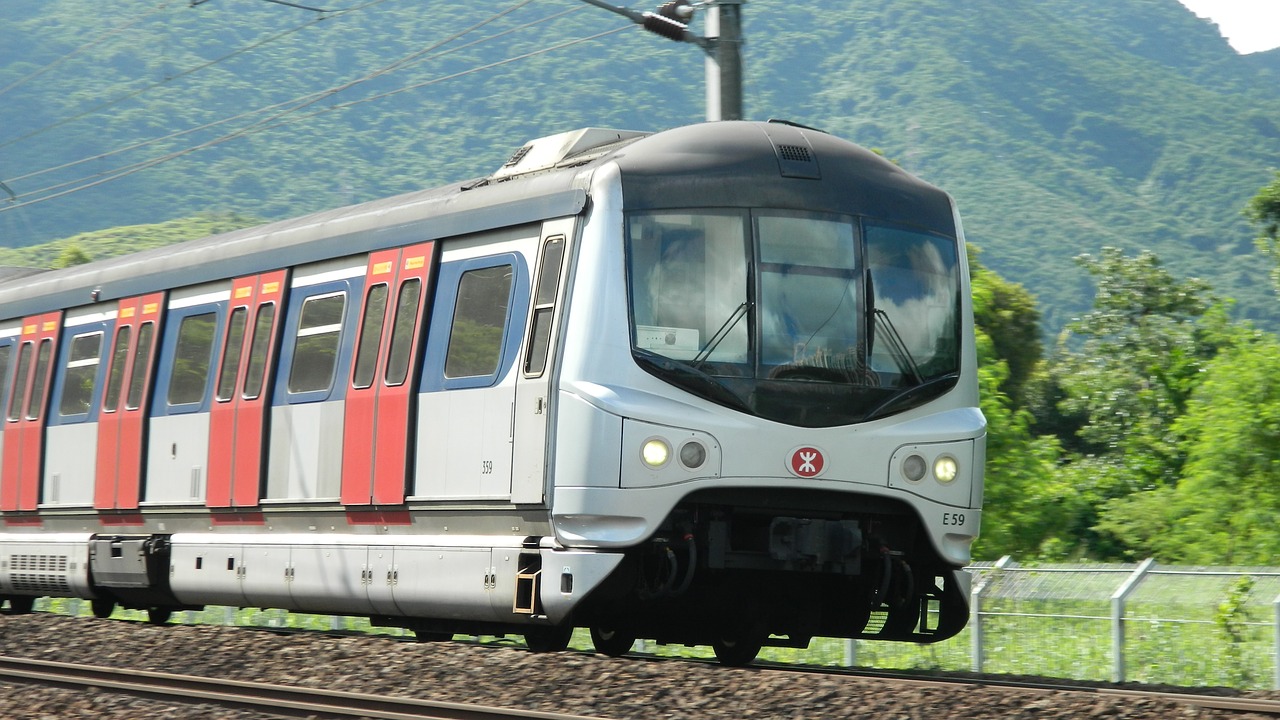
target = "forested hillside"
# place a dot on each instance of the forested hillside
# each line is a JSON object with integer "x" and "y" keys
{"x": 1060, "y": 126}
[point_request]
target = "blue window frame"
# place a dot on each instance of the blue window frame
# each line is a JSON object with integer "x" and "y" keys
{"x": 476, "y": 322}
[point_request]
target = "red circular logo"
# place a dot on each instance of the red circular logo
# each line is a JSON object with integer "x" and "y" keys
{"x": 807, "y": 462}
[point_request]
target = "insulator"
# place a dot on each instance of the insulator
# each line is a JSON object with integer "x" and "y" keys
{"x": 665, "y": 27}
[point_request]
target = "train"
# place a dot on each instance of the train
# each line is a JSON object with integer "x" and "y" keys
{"x": 714, "y": 385}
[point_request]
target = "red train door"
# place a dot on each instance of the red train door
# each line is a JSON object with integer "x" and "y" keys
{"x": 238, "y": 418}
{"x": 122, "y": 422}
{"x": 25, "y": 416}
{"x": 379, "y": 411}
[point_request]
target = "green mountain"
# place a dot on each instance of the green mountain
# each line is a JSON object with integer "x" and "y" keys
{"x": 1059, "y": 126}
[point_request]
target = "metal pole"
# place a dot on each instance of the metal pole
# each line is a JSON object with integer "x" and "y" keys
{"x": 728, "y": 54}
{"x": 1117, "y": 617}
{"x": 1275, "y": 660}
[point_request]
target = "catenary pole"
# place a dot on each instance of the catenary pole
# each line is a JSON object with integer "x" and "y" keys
{"x": 722, "y": 44}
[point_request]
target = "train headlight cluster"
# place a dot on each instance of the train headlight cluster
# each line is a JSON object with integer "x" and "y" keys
{"x": 944, "y": 472}
{"x": 663, "y": 455}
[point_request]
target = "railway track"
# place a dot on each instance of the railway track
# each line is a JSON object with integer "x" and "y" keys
{"x": 277, "y": 700}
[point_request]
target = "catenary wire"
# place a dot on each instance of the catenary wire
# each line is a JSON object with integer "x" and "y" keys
{"x": 266, "y": 124}
{"x": 299, "y": 102}
{"x": 114, "y": 31}
{"x": 189, "y": 71}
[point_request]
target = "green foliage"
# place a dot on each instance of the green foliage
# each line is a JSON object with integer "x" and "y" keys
{"x": 1264, "y": 211}
{"x": 103, "y": 244}
{"x": 1232, "y": 620}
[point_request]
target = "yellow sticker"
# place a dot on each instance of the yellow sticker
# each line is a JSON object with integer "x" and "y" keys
{"x": 127, "y": 312}
{"x": 270, "y": 288}
{"x": 243, "y": 292}
{"x": 150, "y": 308}
{"x": 382, "y": 268}
{"x": 414, "y": 263}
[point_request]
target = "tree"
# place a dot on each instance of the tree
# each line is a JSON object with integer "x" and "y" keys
{"x": 1120, "y": 378}
{"x": 71, "y": 255}
{"x": 1023, "y": 500}
{"x": 1264, "y": 210}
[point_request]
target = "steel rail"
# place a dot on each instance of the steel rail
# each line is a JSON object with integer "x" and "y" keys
{"x": 1213, "y": 702}
{"x": 265, "y": 698}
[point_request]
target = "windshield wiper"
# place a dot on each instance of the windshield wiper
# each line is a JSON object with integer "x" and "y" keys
{"x": 725, "y": 328}
{"x": 691, "y": 378}
{"x": 898, "y": 348}
{"x": 915, "y": 392}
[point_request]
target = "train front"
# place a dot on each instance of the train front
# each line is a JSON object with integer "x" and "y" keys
{"x": 768, "y": 395}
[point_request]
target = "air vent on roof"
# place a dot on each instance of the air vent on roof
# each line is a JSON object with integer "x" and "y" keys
{"x": 796, "y": 158}
{"x": 548, "y": 152}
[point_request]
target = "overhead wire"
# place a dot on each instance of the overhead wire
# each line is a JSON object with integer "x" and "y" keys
{"x": 278, "y": 119}
{"x": 301, "y": 101}
{"x": 189, "y": 71}
{"x": 110, "y": 33}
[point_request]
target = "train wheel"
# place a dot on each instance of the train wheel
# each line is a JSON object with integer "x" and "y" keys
{"x": 613, "y": 643}
{"x": 736, "y": 652}
{"x": 21, "y": 604}
{"x": 102, "y": 608}
{"x": 548, "y": 639}
{"x": 158, "y": 615}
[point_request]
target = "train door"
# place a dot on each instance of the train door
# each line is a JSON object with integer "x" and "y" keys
{"x": 534, "y": 388}
{"x": 238, "y": 417}
{"x": 379, "y": 418}
{"x": 468, "y": 404}
{"x": 7, "y": 337}
{"x": 122, "y": 421}
{"x": 25, "y": 414}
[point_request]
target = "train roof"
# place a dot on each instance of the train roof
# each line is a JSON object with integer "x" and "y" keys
{"x": 545, "y": 178}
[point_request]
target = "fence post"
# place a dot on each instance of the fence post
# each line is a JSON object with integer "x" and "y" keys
{"x": 1117, "y": 617}
{"x": 977, "y": 657}
{"x": 1275, "y": 659}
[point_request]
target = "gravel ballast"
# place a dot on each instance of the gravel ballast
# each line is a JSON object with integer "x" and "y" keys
{"x": 570, "y": 682}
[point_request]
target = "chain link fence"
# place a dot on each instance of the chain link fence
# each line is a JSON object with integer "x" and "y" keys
{"x": 1194, "y": 626}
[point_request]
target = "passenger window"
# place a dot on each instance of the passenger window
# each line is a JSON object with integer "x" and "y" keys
{"x": 115, "y": 381}
{"x": 4, "y": 370}
{"x": 20, "y": 380}
{"x": 479, "y": 318}
{"x": 375, "y": 309}
{"x": 81, "y": 373}
{"x": 544, "y": 306}
{"x": 35, "y": 403}
{"x": 141, "y": 366}
{"x": 315, "y": 352}
{"x": 231, "y": 355}
{"x": 192, "y": 359}
{"x": 402, "y": 331}
{"x": 258, "y": 349}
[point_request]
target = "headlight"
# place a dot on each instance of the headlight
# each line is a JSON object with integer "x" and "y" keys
{"x": 945, "y": 469}
{"x": 913, "y": 468}
{"x": 655, "y": 452}
{"x": 693, "y": 454}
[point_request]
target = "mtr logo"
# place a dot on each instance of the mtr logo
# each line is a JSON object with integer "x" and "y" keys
{"x": 806, "y": 461}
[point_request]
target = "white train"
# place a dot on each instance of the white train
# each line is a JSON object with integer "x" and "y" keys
{"x": 714, "y": 385}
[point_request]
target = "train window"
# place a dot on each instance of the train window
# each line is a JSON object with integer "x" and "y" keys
{"x": 141, "y": 363}
{"x": 402, "y": 332}
{"x": 4, "y": 370}
{"x": 20, "y": 381}
{"x": 544, "y": 306}
{"x": 258, "y": 349}
{"x": 688, "y": 281}
{"x": 192, "y": 359}
{"x": 115, "y": 380}
{"x": 35, "y": 402}
{"x": 479, "y": 317}
{"x": 81, "y": 373}
{"x": 375, "y": 310}
{"x": 315, "y": 352}
{"x": 231, "y": 354}
{"x": 810, "y": 289}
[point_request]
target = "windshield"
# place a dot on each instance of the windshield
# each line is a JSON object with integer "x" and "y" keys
{"x": 809, "y": 319}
